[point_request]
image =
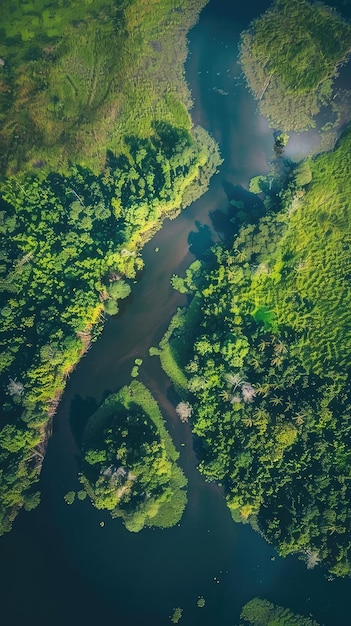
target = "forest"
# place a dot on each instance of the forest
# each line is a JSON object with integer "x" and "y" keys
{"x": 73, "y": 226}
{"x": 263, "y": 352}
{"x": 291, "y": 56}
{"x": 129, "y": 461}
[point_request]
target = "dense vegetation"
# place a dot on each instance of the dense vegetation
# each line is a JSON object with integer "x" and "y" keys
{"x": 72, "y": 238}
{"x": 259, "y": 612}
{"x": 129, "y": 461}
{"x": 81, "y": 76}
{"x": 265, "y": 346}
{"x": 290, "y": 57}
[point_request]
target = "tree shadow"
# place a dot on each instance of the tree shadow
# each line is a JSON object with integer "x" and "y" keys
{"x": 173, "y": 396}
{"x": 81, "y": 410}
{"x": 200, "y": 241}
{"x": 243, "y": 208}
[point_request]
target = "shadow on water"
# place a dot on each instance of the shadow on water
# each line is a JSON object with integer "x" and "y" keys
{"x": 200, "y": 241}
{"x": 80, "y": 411}
{"x": 243, "y": 208}
{"x": 65, "y": 566}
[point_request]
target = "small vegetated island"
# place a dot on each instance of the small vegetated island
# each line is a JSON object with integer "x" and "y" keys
{"x": 290, "y": 56}
{"x": 260, "y": 612}
{"x": 97, "y": 148}
{"x": 262, "y": 355}
{"x": 129, "y": 461}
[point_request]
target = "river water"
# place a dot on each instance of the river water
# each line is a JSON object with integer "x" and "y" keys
{"x": 59, "y": 566}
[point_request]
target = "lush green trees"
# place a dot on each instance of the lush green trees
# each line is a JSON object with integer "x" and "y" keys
{"x": 95, "y": 139}
{"x": 71, "y": 242}
{"x": 129, "y": 463}
{"x": 290, "y": 55}
{"x": 265, "y": 350}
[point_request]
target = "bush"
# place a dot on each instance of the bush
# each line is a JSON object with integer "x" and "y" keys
{"x": 70, "y": 497}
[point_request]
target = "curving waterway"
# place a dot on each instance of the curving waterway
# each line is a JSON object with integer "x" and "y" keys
{"x": 59, "y": 566}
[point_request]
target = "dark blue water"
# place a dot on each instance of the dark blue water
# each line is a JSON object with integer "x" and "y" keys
{"x": 59, "y": 566}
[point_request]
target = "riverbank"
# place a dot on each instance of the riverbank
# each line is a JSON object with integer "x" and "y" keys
{"x": 73, "y": 240}
{"x": 58, "y": 556}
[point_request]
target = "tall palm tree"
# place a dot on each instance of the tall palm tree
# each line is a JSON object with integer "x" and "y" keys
{"x": 235, "y": 380}
{"x": 276, "y": 400}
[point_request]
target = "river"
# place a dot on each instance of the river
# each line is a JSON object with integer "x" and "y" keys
{"x": 59, "y": 566}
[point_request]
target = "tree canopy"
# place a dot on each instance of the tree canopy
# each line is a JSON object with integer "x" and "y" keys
{"x": 96, "y": 149}
{"x": 265, "y": 350}
{"x": 129, "y": 463}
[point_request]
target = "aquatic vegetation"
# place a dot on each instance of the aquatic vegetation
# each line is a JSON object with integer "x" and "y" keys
{"x": 177, "y": 615}
{"x": 290, "y": 56}
{"x": 265, "y": 350}
{"x": 70, "y": 497}
{"x": 129, "y": 463}
{"x": 260, "y": 612}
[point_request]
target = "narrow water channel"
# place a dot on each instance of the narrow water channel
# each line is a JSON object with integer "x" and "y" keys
{"x": 59, "y": 566}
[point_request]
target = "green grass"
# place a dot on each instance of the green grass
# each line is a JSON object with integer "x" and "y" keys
{"x": 73, "y": 89}
{"x": 172, "y": 369}
{"x": 97, "y": 145}
{"x": 290, "y": 57}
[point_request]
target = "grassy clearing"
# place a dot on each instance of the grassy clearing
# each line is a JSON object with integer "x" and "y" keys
{"x": 290, "y": 57}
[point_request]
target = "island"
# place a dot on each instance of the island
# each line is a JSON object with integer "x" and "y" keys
{"x": 129, "y": 461}
{"x": 290, "y": 56}
{"x": 259, "y": 612}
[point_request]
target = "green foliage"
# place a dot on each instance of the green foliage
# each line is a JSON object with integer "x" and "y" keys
{"x": 81, "y": 81}
{"x": 259, "y": 612}
{"x": 70, "y": 242}
{"x": 282, "y": 140}
{"x": 257, "y": 184}
{"x": 137, "y": 478}
{"x": 31, "y": 501}
{"x": 111, "y": 307}
{"x": 167, "y": 356}
{"x": 303, "y": 174}
{"x": 265, "y": 348}
{"x": 70, "y": 497}
{"x": 201, "y": 602}
{"x": 153, "y": 351}
{"x": 290, "y": 56}
{"x": 176, "y": 615}
{"x": 118, "y": 290}
{"x": 81, "y": 77}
